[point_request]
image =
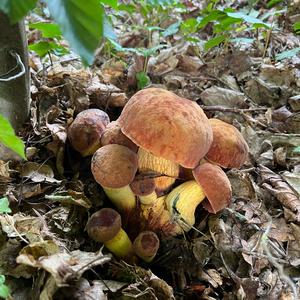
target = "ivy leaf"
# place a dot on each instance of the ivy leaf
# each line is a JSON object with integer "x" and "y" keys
{"x": 214, "y": 42}
{"x": 17, "y": 9}
{"x": 49, "y": 30}
{"x": 81, "y": 22}
{"x": 9, "y": 139}
{"x": 4, "y": 208}
{"x": 287, "y": 54}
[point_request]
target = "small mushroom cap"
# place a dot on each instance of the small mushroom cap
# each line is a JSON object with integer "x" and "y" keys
{"x": 114, "y": 166}
{"x": 86, "y": 130}
{"x": 167, "y": 125}
{"x": 216, "y": 186}
{"x": 113, "y": 135}
{"x": 146, "y": 244}
{"x": 104, "y": 225}
{"x": 229, "y": 149}
{"x": 143, "y": 186}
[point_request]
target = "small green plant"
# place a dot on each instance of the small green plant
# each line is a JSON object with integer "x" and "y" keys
{"x": 4, "y": 289}
{"x": 4, "y": 206}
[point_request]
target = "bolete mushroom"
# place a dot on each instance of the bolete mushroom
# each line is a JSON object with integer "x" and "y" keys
{"x": 113, "y": 135}
{"x": 228, "y": 149}
{"x": 105, "y": 226}
{"x": 167, "y": 126}
{"x": 210, "y": 182}
{"x": 114, "y": 167}
{"x": 144, "y": 188}
{"x": 85, "y": 131}
{"x": 146, "y": 245}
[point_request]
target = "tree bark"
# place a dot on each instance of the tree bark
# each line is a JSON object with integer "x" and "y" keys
{"x": 14, "y": 94}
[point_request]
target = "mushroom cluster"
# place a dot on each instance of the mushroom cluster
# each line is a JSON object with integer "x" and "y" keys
{"x": 157, "y": 163}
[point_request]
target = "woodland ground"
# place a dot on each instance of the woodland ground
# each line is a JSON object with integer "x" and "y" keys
{"x": 250, "y": 250}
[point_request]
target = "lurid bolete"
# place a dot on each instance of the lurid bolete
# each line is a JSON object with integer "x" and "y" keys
{"x": 105, "y": 226}
{"x": 167, "y": 126}
{"x": 114, "y": 167}
{"x": 210, "y": 182}
{"x": 85, "y": 131}
{"x": 229, "y": 149}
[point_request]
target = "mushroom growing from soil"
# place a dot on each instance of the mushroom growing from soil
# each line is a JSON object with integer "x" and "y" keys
{"x": 113, "y": 135}
{"x": 105, "y": 226}
{"x": 85, "y": 131}
{"x": 167, "y": 126}
{"x": 114, "y": 167}
{"x": 210, "y": 182}
{"x": 144, "y": 188}
{"x": 146, "y": 245}
{"x": 228, "y": 149}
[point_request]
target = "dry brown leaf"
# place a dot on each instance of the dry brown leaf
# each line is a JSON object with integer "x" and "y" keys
{"x": 280, "y": 189}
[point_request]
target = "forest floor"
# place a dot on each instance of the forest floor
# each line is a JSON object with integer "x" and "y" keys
{"x": 250, "y": 250}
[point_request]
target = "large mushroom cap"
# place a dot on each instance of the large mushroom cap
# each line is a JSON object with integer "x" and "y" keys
{"x": 168, "y": 126}
{"x": 114, "y": 166}
{"x": 229, "y": 149}
{"x": 216, "y": 186}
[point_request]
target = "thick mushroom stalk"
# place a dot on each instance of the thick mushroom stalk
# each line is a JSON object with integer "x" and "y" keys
{"x": 86, "y": 130}
{"x": 210, "y": 182}
{"x": 144, "y": 188}
{"x": 149, "y": 163}
{"x": 114, "y": 167}
{"x": 113, "y": 135}
{"x": 167, "y": 126}
{"x": 105, "y": 226}
{"x": 228, "y": 149}
{"x": 182, "y": 202}
{"x": 146, "y": 245}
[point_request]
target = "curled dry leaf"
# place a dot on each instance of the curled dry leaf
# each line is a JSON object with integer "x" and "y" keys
{"x": 280, "y": 189}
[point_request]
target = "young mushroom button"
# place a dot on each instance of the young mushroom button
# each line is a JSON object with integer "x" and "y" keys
{"x": 114, "y": 167}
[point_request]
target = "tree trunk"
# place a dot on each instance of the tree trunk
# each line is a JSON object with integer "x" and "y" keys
{"x": 14, "y": 94}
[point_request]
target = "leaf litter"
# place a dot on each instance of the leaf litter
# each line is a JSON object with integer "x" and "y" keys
{"x": 250, "y": 250}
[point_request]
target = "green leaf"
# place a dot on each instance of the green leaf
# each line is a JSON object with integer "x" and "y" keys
{"x": 9, "y": 139}
{"x": 81, "y": 22}
{"x": 17, "y": 9}
{"x": 172, "y": 29}
{"x": 297, "y": 150}
{"x": 4, "y": 290}
{"x": 112, "y": 3}
{"x": 272, "y": 3}
{"x": 142, "y": 80}
{"x": 49, "y": 30}
{"x": 4, "y": 208}
{"x": 287, "y": 54}
{"x": 43, "y": 48}
{"x": 214, "y": 42}
{"x": 247, "y": 18}
{"x": 296, "y": 27}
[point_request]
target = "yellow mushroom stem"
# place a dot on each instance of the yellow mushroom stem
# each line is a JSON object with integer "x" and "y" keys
{"x": 148, "y": 199}
{"x": 120, "y": 245}
{"x": 182, "y": 202}
{"x": 147, "y": 162}
{"x": 123, "y": 198}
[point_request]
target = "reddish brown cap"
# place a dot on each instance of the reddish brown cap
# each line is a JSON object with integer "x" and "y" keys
{"x": 168, "y": 126}
{"x": 229, "y": 149}
{"x": 113, "y": 135}
{"x": 103, "y": 225}
{"x": 146, "y": 244}
{"x": 114, "y": 166}
{"x": 142, "y": 185}
{"x": 216, "y": 186}
{"x": 86, "y": 130}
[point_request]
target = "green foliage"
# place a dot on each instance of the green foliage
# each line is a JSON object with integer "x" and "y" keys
{"x": 42, "y": 48}
{"x": 216, "y": 41}
{"x": 17, "y": 9}
{"x": 142, "y": 80}
{"x": 287, "y": 54}
{"x": 48, "y": 30}
{"x": 4, "y": 208}
{"x": 296, "y": 27}
{"x": 9, "y": 139}
{"x": 81, "y": 22}
{"x": 4, "y": 290}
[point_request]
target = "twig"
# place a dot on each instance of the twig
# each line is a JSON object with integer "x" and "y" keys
{"x": 233, "y": 110}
